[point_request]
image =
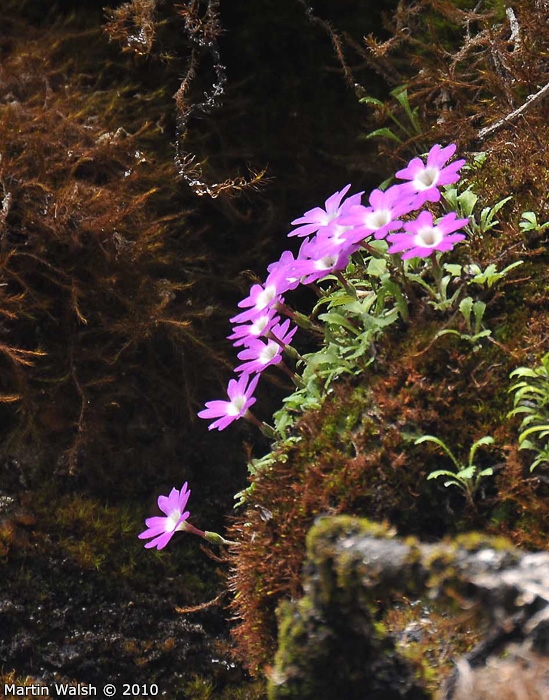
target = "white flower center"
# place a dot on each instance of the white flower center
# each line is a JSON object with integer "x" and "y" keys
{"x": 326, "y": 262}
{"x": 265, "y": 297}
{"x": 338, "y": 231}
{"x": 259, "y": 326}
{"x": 428, "y": 237}
{"x": 236, "y": 405}
{"x": 269, "y": 352}
{"x": 426, "y": 178}
{"x": 377, "y": 219}
{"x": 329, "y": 217}
{"x": 171, "y": 520}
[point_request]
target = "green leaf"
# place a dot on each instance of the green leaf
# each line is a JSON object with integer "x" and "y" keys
{"x": 467, "y": 201}
{"x": 384, "y": 132}
{"x": 486, "y": 440}
{"x": 465, "y": 307}
{"x": 467, "y": 474}
{"x": 531, "y": 431}
{"x": 440, "y": 472}
{"x": 401, "y": 94}
{"x": 454, "y": 270}
{"x": 377, "y": 267}
{"x": 479, "y": 307}
{"x": 338, "y": 320}
{"x": 523, "y": 372}
{"x": 438, "y": 441}
{"x": 368, "y": 100}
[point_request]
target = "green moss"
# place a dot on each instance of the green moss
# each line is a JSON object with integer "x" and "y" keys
{"x": 475, "y": 541}
{"x": 329, "y": 639}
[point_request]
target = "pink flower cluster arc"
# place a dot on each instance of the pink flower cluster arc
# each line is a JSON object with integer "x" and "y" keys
{"x": 330, "y": 237}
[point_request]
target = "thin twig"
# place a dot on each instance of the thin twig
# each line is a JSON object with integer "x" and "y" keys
{"x": 515, "y": 28}
{"x": 202, "y": 606}
{"x": 531, "y": 100}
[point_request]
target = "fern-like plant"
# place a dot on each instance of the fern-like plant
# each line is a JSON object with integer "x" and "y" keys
{"x": 532, "y": 402}
{"x": 467, "y": 477}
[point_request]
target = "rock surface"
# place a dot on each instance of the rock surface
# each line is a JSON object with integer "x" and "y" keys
{"x": 332, "y": 645}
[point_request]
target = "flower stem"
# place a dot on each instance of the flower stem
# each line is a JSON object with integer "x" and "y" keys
{"x": 264, "y": 427}
{"x": 215, "y": 538}
{"x": 296, "y": 379}
{"x": 347, "y": 286}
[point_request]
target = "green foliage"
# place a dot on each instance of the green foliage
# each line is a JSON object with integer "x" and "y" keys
{"x": 475, "y": 332}
{"x": 467, "y": 477}
{"x": 376, "y": 292}
{"x": 405, "y": 130}
{"x": 465, "y": 205}
{"x": 529, "y": 223}
{"x": 531, "y": 401}
{"x": 200, "y": 688}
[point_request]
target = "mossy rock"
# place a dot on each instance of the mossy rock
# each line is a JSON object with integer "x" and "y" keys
{"x": 341, "y": 636}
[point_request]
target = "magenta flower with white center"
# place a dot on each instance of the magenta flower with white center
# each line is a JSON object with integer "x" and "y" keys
{"x": 332, "y": 240}
{"x": 281, "y": 273}
{"x": 424, "y": 237}
{"x": 160, "y": 529}
{"x": 381, "y": 216}
{"x": 318, "y": 258}
{"x": 241, "y": 398}
{"x": 261, "y": 297}
{"x": 261, "y": 354}
{"x": 426, "y": 178}
{"x": 315, "y": 219}
{"x": 244, "y": 333}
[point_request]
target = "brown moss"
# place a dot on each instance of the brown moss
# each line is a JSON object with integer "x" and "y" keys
{"x": 101, "y": 270}
{"x": 356, "y": 455}
{"x": 466, "y": 70}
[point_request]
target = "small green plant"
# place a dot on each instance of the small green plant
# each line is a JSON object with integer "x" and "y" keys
{"x": 465, "y": 202}
{"x": 532, "y": 402}
{"x": 529, "y": 223}
{"x": 472, "y": 312}
{"x": 467, "y": 477}
{"x": 405, "y": 130}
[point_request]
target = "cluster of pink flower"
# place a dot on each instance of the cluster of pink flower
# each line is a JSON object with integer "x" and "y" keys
{"x": 331, "y": 236}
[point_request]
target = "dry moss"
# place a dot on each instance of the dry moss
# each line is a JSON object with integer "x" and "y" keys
{"x": 103, "y": 297}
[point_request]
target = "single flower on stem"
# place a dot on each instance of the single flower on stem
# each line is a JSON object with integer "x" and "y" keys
{"x": 319, "y": 257}
{"x": 424, "y": 237}
{"x": 281, "y": 273}
{"x": 261, "y": 297}
{"x": 242, "y": 334}
{"x": 426, "y": 178}
{"x": 160, "y": 529}
{"x": 241, "y": 398}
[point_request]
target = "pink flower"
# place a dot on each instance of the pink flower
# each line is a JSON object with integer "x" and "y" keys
{"x": 423, "y": 237}
{"x": 281, "y": 273}
{"x": 260, "y": 354}
{"x": 382, "y": 214}
{"x": 240, "y": 395}
{"x": 244, "y": 333}
{"x": 321, "y": 256}
{"x": 315, "y": 219}
{"x": 162, "y": 528}
{"x": 261, "y": 297}
{"x": 425, "y": 179}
